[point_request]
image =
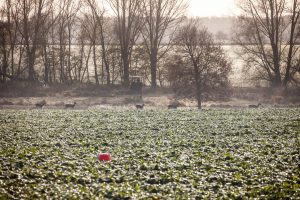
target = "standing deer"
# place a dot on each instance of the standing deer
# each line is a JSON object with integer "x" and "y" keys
{"x": 139, "y": 106}
{"x": 40, "y": 104}
{"x": 172, "y": 106}
{"x": 70, "y": 105}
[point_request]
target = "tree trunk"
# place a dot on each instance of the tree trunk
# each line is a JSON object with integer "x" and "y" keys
{"x": 61, "y": 61}
{"x": 33, "y": 47}
{"x": 20, "y": 60}
{"x": 104, "y": 58}
{"x": 198, "y": 83}
{"x": 4, "y": 54}
{"x": 95, "y": 63}
{"x": 4, "y": 67}
{"x": 53, "y": 73}
{"x": 276, "y": 60}
{"x": 69, "y": 52}
{"x": 198, "y": 92}
{"x": 46, "y": 74}
{"x": 86, "y": 69}
{"x": 81, "y": 62}
{"x": 102, "y": 71}
{"x": 153, "y": 63}
{"x": 31, "y": 60}
{"x": 126, "y": 69}
{"x": 108, "y": 81}
{"x": 294, "y": 20}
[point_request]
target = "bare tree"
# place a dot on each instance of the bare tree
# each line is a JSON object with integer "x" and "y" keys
{"x": 162, "y": 17}
{"x": 16, "y": 38}
{"x": 114, "y": 57}
{"x": 26, "y": 28}
{"x": 7, "y": 39}
{"x": 267, "y": 33}
{"x": 199, "y": 64}
{"x": 32, "y": 17}
{"x": 47, "y": 44}
{"x": 129, "y": 20}
{"x": 66, "y": 21}
{"x": 104, "y": 34}
{"x": 4, "y": 54}
{"x": 81, "y": 40}
{"x": 8, "y": 20}
{"x": 90, "y": 28}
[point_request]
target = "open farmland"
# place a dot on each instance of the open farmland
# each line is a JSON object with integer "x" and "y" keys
{"x": 156, "y": 154}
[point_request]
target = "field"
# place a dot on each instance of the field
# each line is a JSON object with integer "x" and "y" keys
{"x": 156, "y": 154}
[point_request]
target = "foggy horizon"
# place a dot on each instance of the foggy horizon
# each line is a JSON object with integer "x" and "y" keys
{"x": 201, "y": 8}
{"x": 212, "y": 8}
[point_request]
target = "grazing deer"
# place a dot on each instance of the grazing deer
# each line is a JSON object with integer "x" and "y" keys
{"x": 40, "y": 104}
{"x": 70, "y": 105}
{"x": 139, "y": 106}
{"x": 172, "y": 106}
{"x": 254, "y": 106}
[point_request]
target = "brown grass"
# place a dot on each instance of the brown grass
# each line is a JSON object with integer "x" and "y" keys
{"x": 103, "y": 97}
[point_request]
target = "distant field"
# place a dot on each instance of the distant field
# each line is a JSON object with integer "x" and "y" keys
{"x": 156, "y": 154}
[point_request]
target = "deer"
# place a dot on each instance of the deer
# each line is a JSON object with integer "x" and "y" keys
{"x": 40, "y": 104}
{"x": 172, "y": 106}
{"x": 254, "y": 106}
{"x": 70, "y": 105}
{"x": 139, "y": 106}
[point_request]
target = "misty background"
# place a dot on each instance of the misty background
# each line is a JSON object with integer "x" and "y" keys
{"x": 167, "y": 44}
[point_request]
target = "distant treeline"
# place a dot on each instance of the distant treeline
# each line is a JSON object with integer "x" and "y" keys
{"x": 143, "y": 38}
{"x": 36, "y": 39}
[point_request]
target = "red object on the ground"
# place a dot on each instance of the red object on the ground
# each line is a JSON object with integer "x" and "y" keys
{"x": 104, "y": 157}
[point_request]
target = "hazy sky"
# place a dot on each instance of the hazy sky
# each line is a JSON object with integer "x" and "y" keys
{"x": 212, "y": 8}
{"x": 204, "y": 8}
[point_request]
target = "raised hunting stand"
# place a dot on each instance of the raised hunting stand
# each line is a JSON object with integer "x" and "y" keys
{"x": 136, "y": 87}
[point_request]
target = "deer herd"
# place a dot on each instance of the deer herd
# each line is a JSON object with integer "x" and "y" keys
{"x": 42, "y": 103}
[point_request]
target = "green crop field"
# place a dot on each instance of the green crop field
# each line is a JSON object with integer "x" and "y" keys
{"x": 156, "y": 154}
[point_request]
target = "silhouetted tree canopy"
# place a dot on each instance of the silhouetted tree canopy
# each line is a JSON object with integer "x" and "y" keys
{"x": 268, "y": 33}
{"x": 198, "y": 68}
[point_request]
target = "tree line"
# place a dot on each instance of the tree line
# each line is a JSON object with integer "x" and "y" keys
{"x": 268, "y": 32}
{"x": 119, "y": 38}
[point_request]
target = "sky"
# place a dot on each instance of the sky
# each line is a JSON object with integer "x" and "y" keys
{"x": 209, "y": 8}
